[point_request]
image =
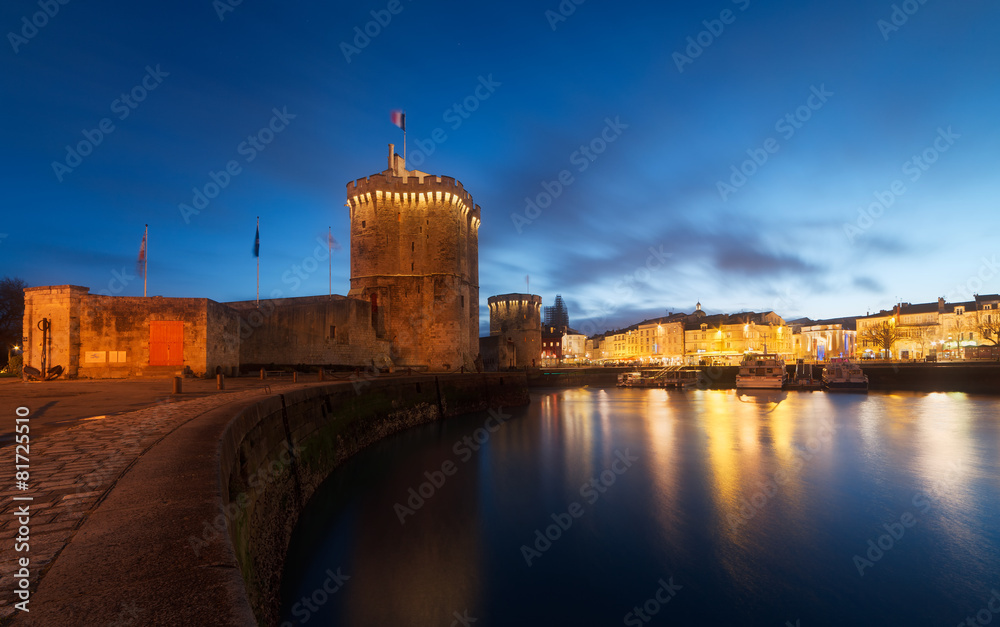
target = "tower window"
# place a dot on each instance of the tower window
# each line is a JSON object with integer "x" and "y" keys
{"x": 362, "y": 224}
{"x": 333, "y": 331}
{"x": 411, "y": 246}
{"x": 411, "y": 266}
{"x": 462, "y": 297}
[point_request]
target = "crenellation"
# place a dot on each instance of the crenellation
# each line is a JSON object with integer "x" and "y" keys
{"x": 417, "y": 257}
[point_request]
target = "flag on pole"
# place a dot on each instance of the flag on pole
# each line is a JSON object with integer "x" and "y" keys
{"x": 398, "y": 118}
{"x": 256, "y": 242}
{"x": 140, "y": 265}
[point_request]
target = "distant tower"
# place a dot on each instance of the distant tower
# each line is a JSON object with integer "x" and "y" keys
{"x": 415, "y": 258}
{"x": 557, "y": 315}
{"x": 518, "y": 319}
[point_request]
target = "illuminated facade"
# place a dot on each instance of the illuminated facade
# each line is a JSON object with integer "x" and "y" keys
{"x": 822, "y": 340}
{"x": 930, "y": 330}
{"x": 724, "y": 339}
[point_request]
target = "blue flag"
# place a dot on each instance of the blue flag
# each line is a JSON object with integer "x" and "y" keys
{"x": 256, "y": 243}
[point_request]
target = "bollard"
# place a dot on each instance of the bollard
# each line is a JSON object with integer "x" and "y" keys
{"x": 177, "y": 385}
{"x": 220, "y": 382}
{"x": 295, "y": 377}
{"x": 263, "y": 375}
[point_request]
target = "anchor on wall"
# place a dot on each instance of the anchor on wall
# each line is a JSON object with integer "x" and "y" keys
{"x": 34, "y": 374}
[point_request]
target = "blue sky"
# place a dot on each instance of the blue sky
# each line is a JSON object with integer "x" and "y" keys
{"x": 656, "y": 135}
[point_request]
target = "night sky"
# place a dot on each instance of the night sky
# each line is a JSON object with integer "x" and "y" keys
{"x": 627, "y": 125}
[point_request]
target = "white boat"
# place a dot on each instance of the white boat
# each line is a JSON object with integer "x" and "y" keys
{"x": 764, "y": 371}
{"x": 842, "y": 374}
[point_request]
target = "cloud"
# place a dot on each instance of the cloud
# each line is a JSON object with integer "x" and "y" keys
{"x": 868, "y": 284}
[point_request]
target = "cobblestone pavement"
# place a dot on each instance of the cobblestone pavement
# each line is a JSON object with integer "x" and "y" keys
{"x": 72, "y": 470}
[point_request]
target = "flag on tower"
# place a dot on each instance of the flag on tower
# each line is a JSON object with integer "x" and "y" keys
{"x": 140, "y": 265}
{"x": 398, "y": 118}
{"x": 256, "y": 242}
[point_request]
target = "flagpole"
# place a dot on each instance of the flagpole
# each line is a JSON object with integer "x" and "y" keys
{"x": 329, "y": 255}
{"x": 258, "y": 263}
{"x": 404, "y": 136}
{"x": 145, "y": 261}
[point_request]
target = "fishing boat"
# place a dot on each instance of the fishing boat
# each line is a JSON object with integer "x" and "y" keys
{"x": 763, "y": 371}
{"x": 843, "y": 375}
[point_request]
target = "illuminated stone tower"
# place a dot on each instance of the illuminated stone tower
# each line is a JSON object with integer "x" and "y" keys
{"x": 517, "y": 318}
{"x": 415, "y": 258}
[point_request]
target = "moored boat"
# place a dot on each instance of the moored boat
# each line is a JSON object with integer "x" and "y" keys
{"x": 843, "y": 375}
{"x": 763, "y": 371}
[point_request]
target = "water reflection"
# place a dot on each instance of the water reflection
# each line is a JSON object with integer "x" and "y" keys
{"x": 756, "y": 503}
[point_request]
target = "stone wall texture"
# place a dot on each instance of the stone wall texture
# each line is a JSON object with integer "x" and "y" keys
{"x": 94, "y": 336}
{"x": 314, "y": 330}
{"x": 275, "y": 454}
{"x": 517, "y": 318}
{"x": 415, "y": 258}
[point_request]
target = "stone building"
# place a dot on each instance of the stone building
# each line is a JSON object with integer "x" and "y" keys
{"x": 517, "y": 320}
{"x": 725, "y": 338}
{"x": 104, "y": 337}
{"x": 822, "y": 340}
{"x": 415, "y": 259}
{"x": 938, "y": 330}
{"x": 413, "y": 302}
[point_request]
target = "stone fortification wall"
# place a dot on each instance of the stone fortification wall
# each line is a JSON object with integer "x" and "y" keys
{"x": 295, "y": 441}
{"x": 415, "y": 258}
{"x": 313, "y": 330}
{"x": 94, "y": 336}
{"x": 517, "y": 318}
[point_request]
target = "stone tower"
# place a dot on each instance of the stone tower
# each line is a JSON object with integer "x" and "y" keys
{"x": 518, "y": 319}
{"x": 415, "y": 258}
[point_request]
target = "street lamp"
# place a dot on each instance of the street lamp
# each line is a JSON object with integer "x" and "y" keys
{"x": 13, "y": 348}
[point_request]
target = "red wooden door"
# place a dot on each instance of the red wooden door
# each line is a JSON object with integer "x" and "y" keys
{"x": 166, "y": 343}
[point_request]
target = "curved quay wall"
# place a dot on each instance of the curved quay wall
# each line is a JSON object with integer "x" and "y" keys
{"x": 274, "y": 455}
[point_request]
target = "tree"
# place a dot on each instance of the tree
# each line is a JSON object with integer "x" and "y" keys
{"x": 11, "y": 313}
{"x": 883, "y": 335}
{"x": 988, "y": 325}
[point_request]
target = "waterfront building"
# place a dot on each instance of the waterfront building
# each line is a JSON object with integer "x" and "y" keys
{"x": 725, "y": 338}
{"x": 822, "y": 340}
